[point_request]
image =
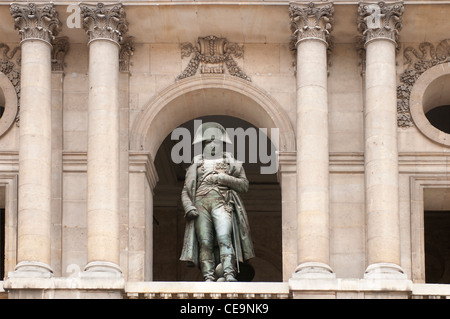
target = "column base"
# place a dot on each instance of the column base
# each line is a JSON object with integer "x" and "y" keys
{"x": 384, "y": 271}
{"x": 31, "y": 269}
{"x": 313, "y": 270}
{"x": 101, "y": 269}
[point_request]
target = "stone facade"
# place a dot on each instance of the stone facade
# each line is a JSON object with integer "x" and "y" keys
{"x": 91, "y": 92}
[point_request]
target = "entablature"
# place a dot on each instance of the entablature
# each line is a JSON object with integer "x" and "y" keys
{"x": 254, "y": 21}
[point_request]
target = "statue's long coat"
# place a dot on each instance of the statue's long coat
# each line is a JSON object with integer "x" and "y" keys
{"x": 237, "y": 182}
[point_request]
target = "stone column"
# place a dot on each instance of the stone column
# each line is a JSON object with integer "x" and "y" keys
{"x": 311, "y": 24}
{"x": 37, "y": 25}
{"x": 105, "y": 25}
{"x": 380, "y": 24}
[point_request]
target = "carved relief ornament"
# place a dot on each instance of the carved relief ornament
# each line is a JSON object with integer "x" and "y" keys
{"x": 10, "y": 67}
{"x": 210, "y": 56}
{"x": 59, "y": 50}
{"x": 418, "y": 61}
{"x": 311, "y": 21}
{"x": 127, "y": 48}
{"x": 104, "y": 21}
{"x": 380, "y": 21}
{"x": 36, "y": 21}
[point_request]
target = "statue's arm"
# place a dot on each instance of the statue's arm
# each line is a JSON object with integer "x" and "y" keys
{"x": 186, "y": 201}
{"x": 238, "y": 183}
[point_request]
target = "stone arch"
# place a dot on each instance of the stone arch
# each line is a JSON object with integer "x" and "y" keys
{"x": 199, "y": 96}
{"x": 206, "y": 95}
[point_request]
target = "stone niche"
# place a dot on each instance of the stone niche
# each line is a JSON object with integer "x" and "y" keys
{"x": 262, "y": 202}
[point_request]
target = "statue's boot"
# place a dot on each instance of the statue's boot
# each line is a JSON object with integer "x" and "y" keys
{"x": 229, "y": 270}
{"x": 207, "y": 267}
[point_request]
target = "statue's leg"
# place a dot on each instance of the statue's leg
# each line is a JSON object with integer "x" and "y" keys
{"x": 204, "y": 229}
{"x": 223, "y": 228}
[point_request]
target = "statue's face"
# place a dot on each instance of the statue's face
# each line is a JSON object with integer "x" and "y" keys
{"x": 212, "y": 149}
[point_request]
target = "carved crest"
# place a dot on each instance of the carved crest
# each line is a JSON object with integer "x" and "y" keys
{"x": 211, "y": 55}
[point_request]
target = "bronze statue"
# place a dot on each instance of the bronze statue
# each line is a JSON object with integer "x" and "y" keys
{"x": 217, "y": 235}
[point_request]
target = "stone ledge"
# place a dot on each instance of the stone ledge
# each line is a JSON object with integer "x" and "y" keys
{"x": 340, "y": 286}
{"x": 431, "y": 291}
{"x": 62, "y": 283}
{"x": 76, "y": 287}
{"x": 217, "y": 290}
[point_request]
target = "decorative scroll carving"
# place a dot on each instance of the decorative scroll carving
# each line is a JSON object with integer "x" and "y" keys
{"x": 11, "y": 68}
{"x": 60, "y": 48}
{"x": 104, "y": 21}
{"x": 36, "y": 21}
{"x": 210, "y": 55}
{"x": 417, "y": 61}
{"x": 126, "y": 51}
{"x": 380, "y": 20}
{"x": 311, "y": 21}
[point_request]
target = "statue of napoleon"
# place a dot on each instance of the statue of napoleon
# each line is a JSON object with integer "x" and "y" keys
{"x": 217, "y": 235}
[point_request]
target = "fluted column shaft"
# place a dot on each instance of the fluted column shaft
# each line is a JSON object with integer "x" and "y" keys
{"x": 104, "y": 25}
{"x": 37, "y": 25}
{"x": 311, "y": 24}
{"x": 380, "y": 24}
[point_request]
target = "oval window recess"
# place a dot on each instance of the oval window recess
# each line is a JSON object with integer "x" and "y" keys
{"x": 428, "y": 95}
{"x": 8, "y": 104}
{"x": 2, "y": 103}
{"x": 439, "y": 117}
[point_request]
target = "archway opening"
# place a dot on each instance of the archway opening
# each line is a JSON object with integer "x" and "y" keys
{"x": 437, "y": 235}
{"x": 262, "y": 203}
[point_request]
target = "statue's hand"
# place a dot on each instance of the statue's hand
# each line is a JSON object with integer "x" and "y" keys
{"x": 212, "y": 178}
{"x": 192, "y": 214}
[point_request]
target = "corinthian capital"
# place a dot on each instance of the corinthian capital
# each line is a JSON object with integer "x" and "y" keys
{"x": 36, "y": 21}
{"x": 311, "y": 20}
{"x": 104, "y": 21}
{"x": 380, "y": 20}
